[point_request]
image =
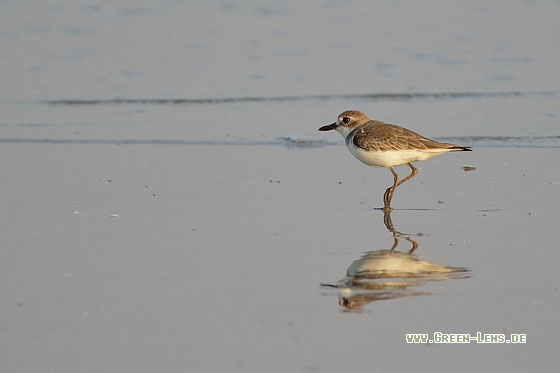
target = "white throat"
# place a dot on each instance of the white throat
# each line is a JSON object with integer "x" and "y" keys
{"x": 344, "y": 131}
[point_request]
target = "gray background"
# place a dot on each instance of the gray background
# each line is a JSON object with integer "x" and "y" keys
{"x": 168, "y": 205}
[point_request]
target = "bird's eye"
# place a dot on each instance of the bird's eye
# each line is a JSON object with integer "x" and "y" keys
{"x": 346, "y": 120}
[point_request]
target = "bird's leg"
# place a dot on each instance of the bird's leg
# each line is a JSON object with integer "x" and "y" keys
{"x": 412, "y": 174}
{"x": 388, "y": 195}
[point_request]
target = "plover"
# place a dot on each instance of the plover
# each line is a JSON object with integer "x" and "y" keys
{"x": 380, "y": 144}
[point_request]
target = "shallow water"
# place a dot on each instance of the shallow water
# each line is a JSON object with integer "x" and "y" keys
{"x": 168, "y": 203}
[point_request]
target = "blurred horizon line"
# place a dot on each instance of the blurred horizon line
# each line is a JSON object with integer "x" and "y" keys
{"x": 397, "y": 96}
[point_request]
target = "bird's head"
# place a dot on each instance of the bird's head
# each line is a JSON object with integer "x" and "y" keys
{"x": 346, "y": 122}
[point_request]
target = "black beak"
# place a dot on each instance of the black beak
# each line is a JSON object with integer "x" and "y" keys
{"x": 328, "y": 127}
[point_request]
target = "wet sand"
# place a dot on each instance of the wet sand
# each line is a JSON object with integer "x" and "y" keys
{"x": 164, "y": 210}
{"x": 147, "y": 252}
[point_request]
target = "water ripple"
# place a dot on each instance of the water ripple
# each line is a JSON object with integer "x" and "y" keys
{"x": 367, "y": 96}
{"x": 297, "y": 141}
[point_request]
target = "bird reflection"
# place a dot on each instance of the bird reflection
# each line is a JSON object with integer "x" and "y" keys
{"x": 390, "y": 274}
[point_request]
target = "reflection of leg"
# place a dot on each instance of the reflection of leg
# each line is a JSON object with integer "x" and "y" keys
{"x": 389, "y": 225}
{"x": 395, "y": 243}
{"x": 388, "y": 221}
{"x": 388, "y": 195}
{"x": 396, "y": 234}
{"x": 414, "y": 245}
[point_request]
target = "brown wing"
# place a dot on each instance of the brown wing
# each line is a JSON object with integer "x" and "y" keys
{"x": 380, "y": 136}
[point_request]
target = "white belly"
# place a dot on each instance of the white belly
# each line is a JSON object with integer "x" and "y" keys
{"x": 392, "y": 158}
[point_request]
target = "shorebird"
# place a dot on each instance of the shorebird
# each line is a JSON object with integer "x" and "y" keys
{"x": 380, "y": 144}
